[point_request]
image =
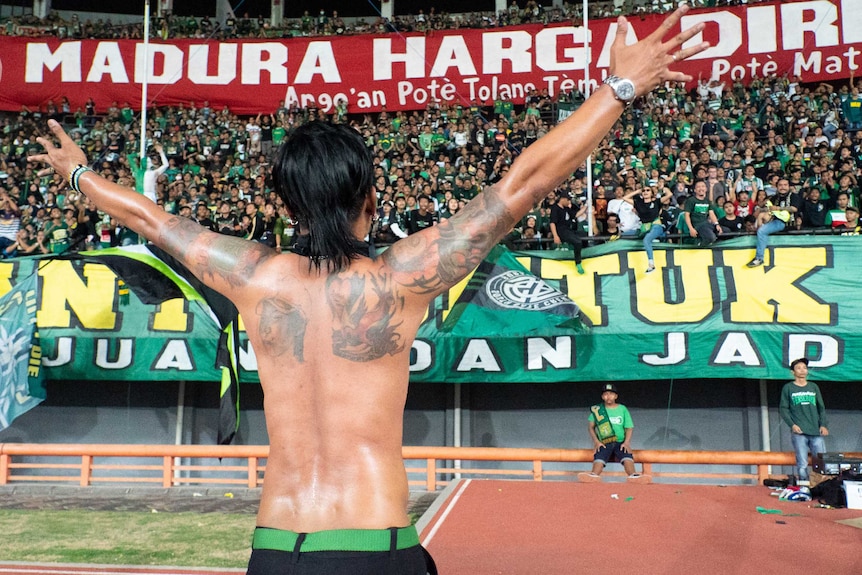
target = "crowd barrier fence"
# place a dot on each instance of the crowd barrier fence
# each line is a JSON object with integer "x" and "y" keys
{"x": 428, "y": 468}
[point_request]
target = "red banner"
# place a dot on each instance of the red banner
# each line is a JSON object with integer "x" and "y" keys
{"x": 815, "y": 39}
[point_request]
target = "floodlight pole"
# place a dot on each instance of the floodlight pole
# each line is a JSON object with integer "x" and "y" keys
{"x": 589, "y": 163}
{"x": 142, "y": 157}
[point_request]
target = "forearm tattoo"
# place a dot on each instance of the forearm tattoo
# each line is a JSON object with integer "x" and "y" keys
{"x": 281, "y": 328}
{"x": 364, "y": 307}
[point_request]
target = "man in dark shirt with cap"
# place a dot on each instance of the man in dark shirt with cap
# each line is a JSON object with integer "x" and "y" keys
{"x": 802, "y": 408}
{"x": 564, "y": 221}
{"x": 611, "y": 428}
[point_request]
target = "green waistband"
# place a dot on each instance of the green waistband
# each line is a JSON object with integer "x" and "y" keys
{"x": 334, "y": 540}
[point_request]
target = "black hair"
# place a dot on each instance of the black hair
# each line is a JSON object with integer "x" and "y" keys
{"x": 323, "y": 173}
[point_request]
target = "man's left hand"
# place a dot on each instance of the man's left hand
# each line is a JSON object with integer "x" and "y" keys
{"x": 626, "y": 447}
{"x": 823, "y": 431}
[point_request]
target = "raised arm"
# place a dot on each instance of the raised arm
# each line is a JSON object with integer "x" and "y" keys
{"x": 436, "y": 258}
{"x": 224, "y": 263}
{"x": 630, "y": 197}
{"x": 731, "y": 192}
{"x": 666, "y": 196}
{"x": 164, "y": 159}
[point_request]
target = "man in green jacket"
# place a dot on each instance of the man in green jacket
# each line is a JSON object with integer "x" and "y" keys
{"x": 802, "y": 408}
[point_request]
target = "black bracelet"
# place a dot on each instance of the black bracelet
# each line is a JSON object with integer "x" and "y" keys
{"x": 75, "y": 177}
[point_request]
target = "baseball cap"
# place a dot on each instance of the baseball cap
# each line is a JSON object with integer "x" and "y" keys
{"x": 612, "y": 387}
{"x": 800, "y": 360}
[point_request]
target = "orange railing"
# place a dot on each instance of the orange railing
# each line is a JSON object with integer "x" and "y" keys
{"x": 427, "y": 467}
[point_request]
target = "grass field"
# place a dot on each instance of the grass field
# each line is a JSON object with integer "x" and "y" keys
{"x": 128, "y": 537}
{"x": 136, "y": 538}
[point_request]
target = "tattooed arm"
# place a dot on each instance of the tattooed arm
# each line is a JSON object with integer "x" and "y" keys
{"x": 224, "y": 263}
{"x": 429, "y": 262}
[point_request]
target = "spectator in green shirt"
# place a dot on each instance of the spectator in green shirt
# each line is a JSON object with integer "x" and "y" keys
{"x": 802, "y": 409}
{"x": 700, "y": 216}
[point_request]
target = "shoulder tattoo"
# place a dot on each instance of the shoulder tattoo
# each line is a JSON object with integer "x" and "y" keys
{"x": 208, "y": 254}
{"x": 365, "y": 308}
{"x": 281, "y": 327}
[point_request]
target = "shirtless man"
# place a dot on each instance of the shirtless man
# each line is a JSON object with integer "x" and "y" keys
{"x": 332, "y": 329}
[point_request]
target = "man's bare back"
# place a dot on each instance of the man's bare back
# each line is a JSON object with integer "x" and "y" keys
{"x": 333, "y": 340}
{"x": 333, "y": 355}
{"x": 333, "y": 398}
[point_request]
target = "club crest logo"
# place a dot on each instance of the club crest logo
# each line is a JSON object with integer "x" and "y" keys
{"x": 516, "y": 290}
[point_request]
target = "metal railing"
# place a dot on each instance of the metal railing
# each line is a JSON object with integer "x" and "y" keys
{"x": 428, "y": 468}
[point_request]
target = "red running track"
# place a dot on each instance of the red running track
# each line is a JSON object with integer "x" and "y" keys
{"x": 561, "y": 528}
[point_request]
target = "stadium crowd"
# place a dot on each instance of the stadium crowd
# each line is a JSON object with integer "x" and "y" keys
{"x": 775, "y": 146}
{"x": 325, "y": 23}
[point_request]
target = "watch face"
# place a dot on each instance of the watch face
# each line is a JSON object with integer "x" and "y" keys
{"x": 625, "y": 90}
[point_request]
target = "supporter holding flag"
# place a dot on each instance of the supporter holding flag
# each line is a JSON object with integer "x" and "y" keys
{"x": 780, "y": 213}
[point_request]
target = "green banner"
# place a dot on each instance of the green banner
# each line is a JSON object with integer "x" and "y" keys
{"x": 93, "y": 329}
{"x": 564, "y": 110}
{"x": 701, "y": 314}
{"x": 524, "y": 317}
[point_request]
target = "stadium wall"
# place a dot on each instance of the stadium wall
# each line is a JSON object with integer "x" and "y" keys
{"x": 668, "y": 414}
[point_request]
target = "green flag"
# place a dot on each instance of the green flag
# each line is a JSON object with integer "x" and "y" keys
{"x": 155, "y": 276}
{"x": 227, "y": 360}
{"x": 504, "y": 298}
{"x": 21, "y": 379}
{"x": 227, "y": 353}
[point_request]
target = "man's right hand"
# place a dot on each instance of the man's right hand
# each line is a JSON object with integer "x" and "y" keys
{"x": 63, "y": 159}
{"x": 796, "y": 429}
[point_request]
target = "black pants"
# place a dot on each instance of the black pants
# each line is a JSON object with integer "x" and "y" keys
{"x": 572, "y": 238}
{"x": 706, "y": 233}
{"x": 410, "y": 561}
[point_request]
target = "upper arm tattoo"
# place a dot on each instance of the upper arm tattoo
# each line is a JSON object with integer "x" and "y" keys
{"x": 430, "y": 263}
{"x": 208, "y": 254}
{"x": 364, "y": 307}
{"x": 281, "y": 327}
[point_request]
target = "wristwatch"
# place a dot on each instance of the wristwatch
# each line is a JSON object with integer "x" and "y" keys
{"x": 624, "y": 90}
